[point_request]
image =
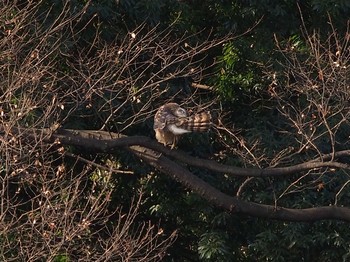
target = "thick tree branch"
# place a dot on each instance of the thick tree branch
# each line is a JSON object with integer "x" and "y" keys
{"x": 155, "y": 154}
{"x": 103, "y": 141}
{"x": 234, "y": 204}
{"x": 109, "y": 141}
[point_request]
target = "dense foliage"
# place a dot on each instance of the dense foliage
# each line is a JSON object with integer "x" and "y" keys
{"x": 258, "y": 83}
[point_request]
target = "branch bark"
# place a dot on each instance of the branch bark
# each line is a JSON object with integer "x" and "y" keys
{"x": 103, "y": 141}
{"x": 234, "y": 204}
{"x": 157, "y": 155}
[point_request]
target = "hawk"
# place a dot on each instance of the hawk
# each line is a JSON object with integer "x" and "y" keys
{"x": 171, "y": 121}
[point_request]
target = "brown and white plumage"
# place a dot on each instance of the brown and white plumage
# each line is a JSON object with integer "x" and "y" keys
{"x": 171, "y": 121}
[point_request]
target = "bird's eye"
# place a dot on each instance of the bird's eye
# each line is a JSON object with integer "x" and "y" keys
{"x": 181, "y": 112}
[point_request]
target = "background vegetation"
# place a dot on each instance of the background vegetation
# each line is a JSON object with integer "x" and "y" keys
{"x": 276, "y": 75}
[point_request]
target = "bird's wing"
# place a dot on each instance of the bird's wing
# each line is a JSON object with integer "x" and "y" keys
{"x": 159, "y": 119}
{"x": 162, "y": 121}
{"x": 158, "y": 124}
{"x": 177, "y": 125}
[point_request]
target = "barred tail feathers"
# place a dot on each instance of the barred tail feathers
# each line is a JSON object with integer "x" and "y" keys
{"x": 200, "y": 122}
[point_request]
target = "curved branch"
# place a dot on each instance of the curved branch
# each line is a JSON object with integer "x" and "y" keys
{"x": 103, "y": 141}
{"x": 234, "y": 204}
{"x": 109, "y": 141}
{"x": 154, "y": 154}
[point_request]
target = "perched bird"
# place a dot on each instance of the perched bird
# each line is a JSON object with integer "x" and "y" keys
{"x": 171, "y": 121}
